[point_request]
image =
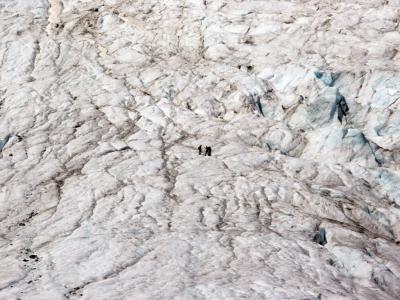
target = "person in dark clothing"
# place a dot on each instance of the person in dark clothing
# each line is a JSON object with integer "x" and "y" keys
{"x": 208, "y": 151}
{"x": 200, "y": 150}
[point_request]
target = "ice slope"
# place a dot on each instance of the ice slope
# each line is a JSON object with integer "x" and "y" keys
{"x": 103, "y": 105}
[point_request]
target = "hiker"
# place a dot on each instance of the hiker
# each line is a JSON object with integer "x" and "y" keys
{"x": 208, "y": 151}
{"x": 200, "y": 150}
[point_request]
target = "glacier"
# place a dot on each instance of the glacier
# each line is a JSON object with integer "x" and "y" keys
{"x": 103, "y": 104}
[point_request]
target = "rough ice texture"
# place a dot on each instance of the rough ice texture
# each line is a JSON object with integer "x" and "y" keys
{"x": 103, "y": 105}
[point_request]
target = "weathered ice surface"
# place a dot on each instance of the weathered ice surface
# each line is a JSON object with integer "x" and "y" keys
{"x": 102, "y": 107}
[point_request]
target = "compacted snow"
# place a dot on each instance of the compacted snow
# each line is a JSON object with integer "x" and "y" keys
{"x": 103, "y": 194}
